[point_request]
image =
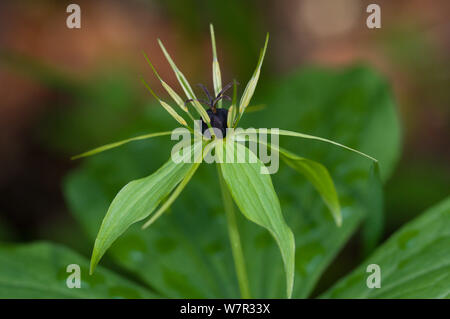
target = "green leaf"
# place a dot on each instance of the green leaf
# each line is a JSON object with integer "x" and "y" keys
{"x": 137, "y": 200}
{"x": 319, "y": 177}
{"x": 197, "y": 161}
{"x": 39, "y": 270}
{"x": 414, "y": 262}
{"x": 119, "y": 143}
{"x": 217, "y": 78}
{"x": 251, "y": 85}
{"x": 184, "y": 254}
{"x": 230, "y": 114}
{"x": 255, "y": 196}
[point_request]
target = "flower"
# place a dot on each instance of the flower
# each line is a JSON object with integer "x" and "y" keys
{"x": 241, "y": 181}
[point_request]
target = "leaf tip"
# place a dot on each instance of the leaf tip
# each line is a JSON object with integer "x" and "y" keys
{"x": 337, "y": 215}
{"x": 93, "y": 265}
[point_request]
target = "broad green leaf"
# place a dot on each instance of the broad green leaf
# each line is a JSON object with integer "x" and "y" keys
{"x": 217, "y": 78}
{"x": 414, "y": 262}
{"x": 180, "y": 187}
{"x": 39, "y": 270}
{"x": 319, "y": 177}
{"x": 255, "y": 196}
{"x": 251, "y": 85}
{"x": 137, "y": 200}
{"x": 372, "y": 228}
{"x": 173, "y": 196}
{"x": 185, "y": 85}
{"x": 119, "y": 143}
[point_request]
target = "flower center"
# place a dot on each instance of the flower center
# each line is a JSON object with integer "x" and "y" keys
{"x": 218, "y": 119}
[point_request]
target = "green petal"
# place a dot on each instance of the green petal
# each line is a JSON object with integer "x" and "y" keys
{"x": 217, "y": 78}
{"x": 251, "y": 85}
{"x": 185, "y": 85}
{"x": 169, "y": 90}
{"x": 119, "y": 143}
{"x": 166, "y": 106}
{"x": 39, "y": 269}
{"x": 301, "y": 135}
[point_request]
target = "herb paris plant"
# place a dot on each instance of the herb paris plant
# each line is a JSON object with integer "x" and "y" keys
{"x": 252, "y": 191}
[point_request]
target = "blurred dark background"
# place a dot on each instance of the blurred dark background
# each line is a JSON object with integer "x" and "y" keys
{"x": 49, "y": 73}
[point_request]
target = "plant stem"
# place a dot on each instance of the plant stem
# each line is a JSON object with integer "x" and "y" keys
{"x": 235, "y": 239}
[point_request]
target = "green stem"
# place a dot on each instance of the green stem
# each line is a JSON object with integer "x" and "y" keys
{"x": 235, "y": 240}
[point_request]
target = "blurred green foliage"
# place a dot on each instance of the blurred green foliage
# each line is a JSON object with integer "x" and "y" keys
{"x": 39, "y": 270}
{"x": 414, "y": 262}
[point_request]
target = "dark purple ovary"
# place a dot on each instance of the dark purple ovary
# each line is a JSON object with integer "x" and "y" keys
{"x": 218, "y": 120}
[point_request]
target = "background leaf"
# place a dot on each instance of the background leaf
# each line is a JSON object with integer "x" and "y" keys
{"x": 38, "y": 270}
{"x": 414, "y": 261}
{"x": 372, "y": 228}
{"x": 217, "y": 77}
{"x": 119, "y": 143}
